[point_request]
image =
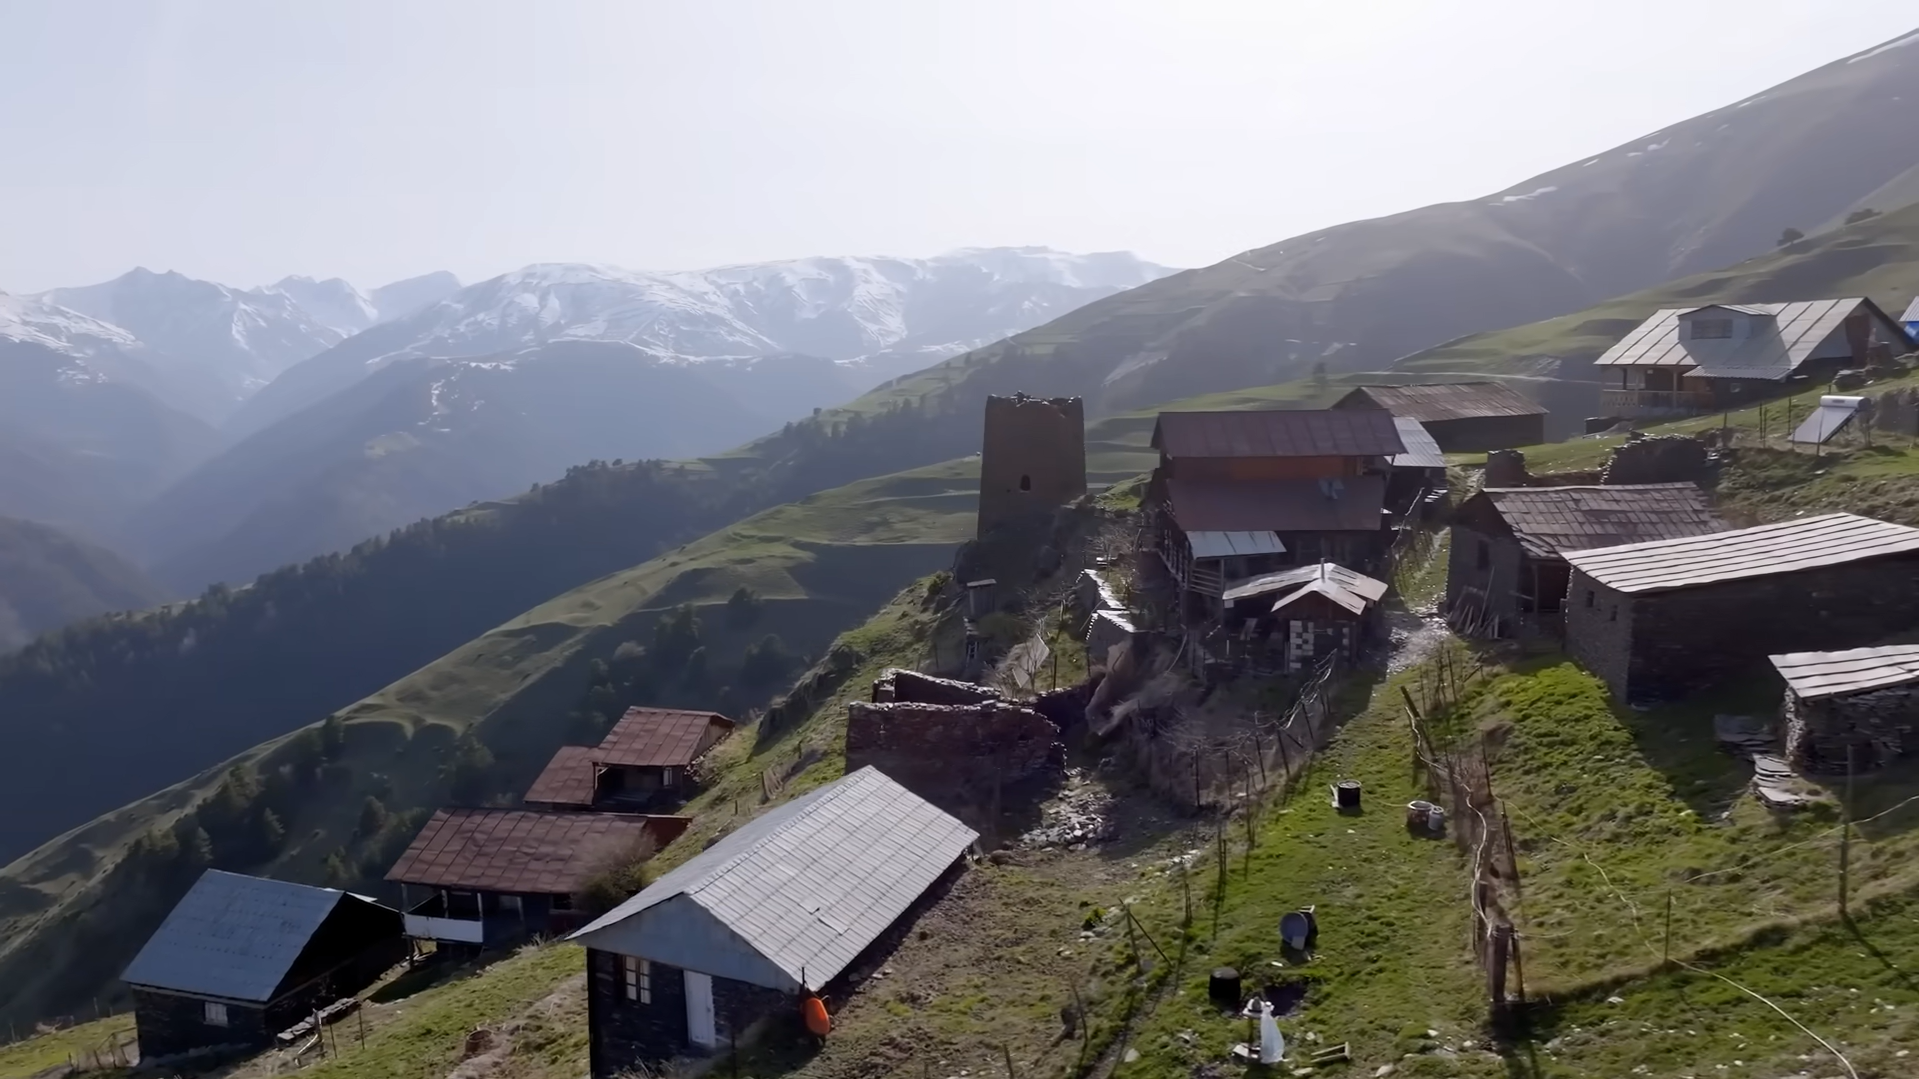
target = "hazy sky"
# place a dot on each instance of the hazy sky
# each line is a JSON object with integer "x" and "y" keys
{"x": 243, "y": 140}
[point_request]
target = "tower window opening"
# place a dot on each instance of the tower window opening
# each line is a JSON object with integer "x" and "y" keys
{"x": 1026, "y": 483}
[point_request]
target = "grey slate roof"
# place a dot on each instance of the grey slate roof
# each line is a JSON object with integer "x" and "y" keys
{"x": 233, "y": 936}
{"x": 1785, "y": 547}
{"x": 805, "y": 887}
{"x": 1421, "y": 450}
{"x": 1813, "y": 675}
{"x": 1793, "y": 332}
{"x": 1435, "y": 402}
{"x": 1549, "y": 520}
{"x": 1279, "y": 432}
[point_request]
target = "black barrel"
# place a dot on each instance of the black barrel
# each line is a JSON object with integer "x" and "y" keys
{"x": 1346, "y": 793}
{"x": 1223, "y": 987}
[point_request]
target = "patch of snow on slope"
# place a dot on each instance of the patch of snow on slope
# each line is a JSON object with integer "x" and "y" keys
{"x": 1896, "y": 43}
{"x": 1529, "y": 196}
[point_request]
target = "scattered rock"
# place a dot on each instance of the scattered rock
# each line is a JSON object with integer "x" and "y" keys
{"x": 1130, "y": 1056}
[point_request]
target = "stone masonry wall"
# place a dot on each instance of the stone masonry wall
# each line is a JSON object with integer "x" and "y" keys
{"x": 1032, "y": 458}
{"x": 901, "y": 685}
{"x": 1872, "y": 729}
{"x": 1658, "y": 459}
{"x": 955, "y": 756}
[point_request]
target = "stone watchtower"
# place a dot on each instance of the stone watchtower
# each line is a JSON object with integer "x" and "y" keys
{"x": 1032, "y": 458}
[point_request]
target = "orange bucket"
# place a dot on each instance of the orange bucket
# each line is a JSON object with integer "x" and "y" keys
{"x": 817, "y": 1021}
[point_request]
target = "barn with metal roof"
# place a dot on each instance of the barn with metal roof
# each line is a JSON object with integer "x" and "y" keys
{"x": 1461, "y": 417}
{"x": 778, "y": 908}
{"x": 242, "y": 958}
{"x": 1662, "y": 619}
{"x": 1851, "y": 710}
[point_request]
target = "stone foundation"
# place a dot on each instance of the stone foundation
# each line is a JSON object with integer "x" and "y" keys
{"x": 1658, "y": 459}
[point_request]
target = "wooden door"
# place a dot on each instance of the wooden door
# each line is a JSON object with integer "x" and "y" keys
{"x": 700, "y": 1027}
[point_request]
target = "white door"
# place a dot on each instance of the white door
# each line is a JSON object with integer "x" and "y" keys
{"x": 699, "y": 1011}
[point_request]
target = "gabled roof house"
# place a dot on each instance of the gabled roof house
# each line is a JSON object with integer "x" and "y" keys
{"x": 1461, "y": 417}
{"x": 241, "y": 958}
{"x": 642, "y": 761}
{"x": 777, "y": 908}
{"x": 1703, "y": 359}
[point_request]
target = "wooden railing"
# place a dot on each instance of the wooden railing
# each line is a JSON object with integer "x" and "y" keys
{"x": 1655, "y": 400}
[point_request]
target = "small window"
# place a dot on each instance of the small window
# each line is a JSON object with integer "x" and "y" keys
{"x": 1026, "y": 483}
{"x": 1591, "y": 599}
{"x": 1485, "y": 555}
{"x": 510, "y": 904}
{"x": 637, "y": 975}
{"x": 1711, "y": 329}
{"x": 669, "y": 776}
{"x": 563, "y": 902}
{"x": 216, "y": 1013}
{"x": 1613, "y": 616}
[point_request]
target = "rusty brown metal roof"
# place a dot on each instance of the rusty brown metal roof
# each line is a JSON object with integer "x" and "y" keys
{"x": 1430, "y": 402}
{"x": 1353, "y": 504}
{"x": 567, "y": 779}
{"x": 524, "y": 850}
{"x": 656, "y": 738}
{"x": 1549, "y": 520}
{"x": 1322, "y": 432}
{"x": 1785, "y": 547}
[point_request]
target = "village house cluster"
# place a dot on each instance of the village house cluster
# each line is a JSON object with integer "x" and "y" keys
{"x": 1266, "y": 543}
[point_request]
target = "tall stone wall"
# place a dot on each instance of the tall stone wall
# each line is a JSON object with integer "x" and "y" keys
{"x": 955, "y": 756}
{"x": 1032, "y": 458}
{"x": 900, "y": 685}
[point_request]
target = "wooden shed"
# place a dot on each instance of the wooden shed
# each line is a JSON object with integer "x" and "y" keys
{"x": 644, "y": 762}
{"x": 241, "y": 958}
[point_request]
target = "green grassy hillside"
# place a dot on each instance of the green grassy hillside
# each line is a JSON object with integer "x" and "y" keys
{"x": 1878, "y": 258}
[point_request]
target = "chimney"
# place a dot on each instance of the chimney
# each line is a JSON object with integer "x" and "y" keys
{"x": 1859, "y": 336}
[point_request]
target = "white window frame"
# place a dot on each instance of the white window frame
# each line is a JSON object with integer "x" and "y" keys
{"x": 215, "y": 1014}
{"x": 636, "y": 977}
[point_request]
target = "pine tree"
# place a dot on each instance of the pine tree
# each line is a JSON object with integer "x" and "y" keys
{"x": 272, "y": 831}
{"x": 372, "y": 817}
{"x": 199, "y": 847}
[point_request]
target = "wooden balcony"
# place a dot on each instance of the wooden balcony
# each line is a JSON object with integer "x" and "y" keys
{"x": 1617, "y": 402}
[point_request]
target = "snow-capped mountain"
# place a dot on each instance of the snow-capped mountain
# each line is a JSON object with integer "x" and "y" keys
{"x": 880, "y": 316}
{"x": 220, "y": 343}
{"x": 332, "y": 303}
{"x": 402, "y": 298}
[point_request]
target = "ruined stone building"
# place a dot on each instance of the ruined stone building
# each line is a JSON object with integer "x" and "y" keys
{"x": 1505, "y": 565}
{"x": 1857, "y": 708}
{"x": 954, "y": 744}
{"x": 1032, "y": 458}
{"x": 1661, "y": 620}
{"x": 1462, "y": 417}
{"x": 1239, "y": 494}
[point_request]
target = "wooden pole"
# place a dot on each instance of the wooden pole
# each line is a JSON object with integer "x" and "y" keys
{"x": 1665, "y": 953}
{"x": 361, "y": 1012}
{"x": 1010, "y": 1073}
{"x": 1845, "y": 840}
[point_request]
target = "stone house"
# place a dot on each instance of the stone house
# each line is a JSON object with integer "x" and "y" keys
{"x": 484, "y": 878}
{"x": 1855, "y": 709}
{"x": 643, "y": 762}
{"x": 1505, "y": 573}
{"x": 738, "y": 934}
{"x": 1462, "y": 417}
{"x": 1661, "y": 620}
{"x": 957, "y": 756}
{"x": 1688, "y": 360}
{"x": 1239, "y": 494}
{"x": 240, "y": 959}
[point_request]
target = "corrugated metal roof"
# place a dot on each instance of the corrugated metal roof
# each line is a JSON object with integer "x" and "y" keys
{"x": 1833, "y": 413}
{"x": 234, "y": 937}
{"x": 1233, "y": 544}
{"x": 524, "y": 850}
{"x": 1421, "y": 450}
{"x": 567, "y": 779}
{"x": 1549, "y": 520}
{"x": 1437, "y": 401}
{"x": 1786, "y": 547}
{"x": 657, "y": 738}
{"x": 809, "y": 884}
{"x": 1326, "y": 432}
{"x": 1348, "y": 505}
{"x": 1912, "y": 312}
{"x": 1813, "y": 675}
{"x": 1332, "y": 591}
{"x": 1269, "y": 583}
{"x": 1787, "y": 336}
